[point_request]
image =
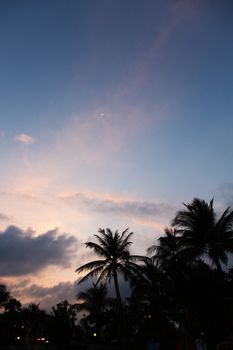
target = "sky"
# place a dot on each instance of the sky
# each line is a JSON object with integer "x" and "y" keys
{"x": 112, "y": 114}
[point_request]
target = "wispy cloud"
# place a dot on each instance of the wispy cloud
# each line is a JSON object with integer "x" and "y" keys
{"x": 135, "y": 208}
{"x": 93, "y": 141}
{"x": 25, "y": 139}
{"x": 179, "y": 13}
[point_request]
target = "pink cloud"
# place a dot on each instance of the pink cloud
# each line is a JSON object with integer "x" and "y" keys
{"x": 25, "y": 139}
{"x": 118, "y": 205}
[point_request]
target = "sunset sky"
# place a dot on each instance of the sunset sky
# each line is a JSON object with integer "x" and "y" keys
{"x": 112, "y": 114}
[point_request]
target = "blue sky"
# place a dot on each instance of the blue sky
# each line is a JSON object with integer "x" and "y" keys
{"x": 112, "y": 113}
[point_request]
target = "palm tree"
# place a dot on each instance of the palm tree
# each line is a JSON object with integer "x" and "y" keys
{"x": 95, "y": 301}
{"x": 203, "y": 234}
{"x": 147, "y": 289}
{"x": 169, "y": 251}
{"x": 113, "y": 248}
{"x": 173, "y": 262}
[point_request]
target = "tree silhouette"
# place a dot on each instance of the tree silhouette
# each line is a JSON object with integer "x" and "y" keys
{"x": 12, "y": 305}
{"x": 203, "y": 234}
{"x": 113, "y": 248}
{"x": 169, "y": 251}
{"x": 64, "y": 316}
{"x": 95, "y": 301}
{"x": 4, "y": 295}
{"x": 33, "y": 318}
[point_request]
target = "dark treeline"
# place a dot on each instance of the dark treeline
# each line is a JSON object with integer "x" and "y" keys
{"x": 30, "y": 327}
{"x": 181, "y": 292}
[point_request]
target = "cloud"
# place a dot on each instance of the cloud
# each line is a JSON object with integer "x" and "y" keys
{"x": 50, "y": 296}
{"x": 63, "y": 290}
{"x": 25, "y": 139}
{"x": 119, "y": 206}
{"x": 45, "y": 296}
{"x": 5, "y": 217}
{"x": 226, "y": 192}
{"x": 21, "y": 252}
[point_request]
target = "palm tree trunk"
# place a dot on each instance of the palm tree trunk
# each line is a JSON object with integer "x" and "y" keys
{"x": 121, "y": 326}
{"x": 118, "y": 295}
{"x": 218, "y": 265}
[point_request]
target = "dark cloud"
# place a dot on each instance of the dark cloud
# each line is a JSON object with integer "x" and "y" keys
{"x": 50, "y": 296}
{"x": 45, "y": 296}
{"x": 61, "y": 290}
{"x": 22, "y": 253}
{"x": 129, "y": 208}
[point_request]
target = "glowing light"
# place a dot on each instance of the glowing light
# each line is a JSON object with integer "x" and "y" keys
{"x": 94, "y": 334}
{"x": 18, "y": 338}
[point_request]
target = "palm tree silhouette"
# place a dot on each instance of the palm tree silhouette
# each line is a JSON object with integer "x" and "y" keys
{"x": 203, "y": 234}
{"x": 95, "y": 301}
{"x": 169, "y": 251}
{"x": 113, "y": 248}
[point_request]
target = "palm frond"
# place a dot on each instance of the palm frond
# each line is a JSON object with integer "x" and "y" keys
{"x": 140, "y": 258}
{"x": 102, "y": 240}
{"x": 98, "y": 249}
{"x": 152, "y": 249}
{"x": 124, "y": 232}
{"x": 104, "y": 275}
{"x": 92, "y": 273}
{"x": 90, "y": 265}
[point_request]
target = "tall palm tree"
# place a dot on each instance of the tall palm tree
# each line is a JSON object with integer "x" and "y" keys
{"x": 203, "y": 234}
{"x": 173, "y": 262}
{"x": 113, "y": 248}
{"x": 148, "y": 288}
